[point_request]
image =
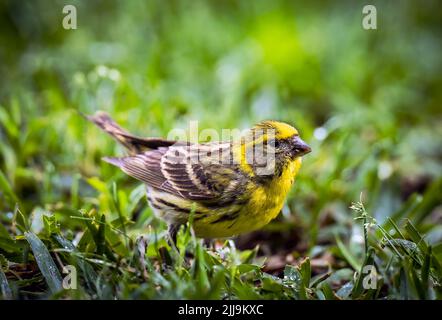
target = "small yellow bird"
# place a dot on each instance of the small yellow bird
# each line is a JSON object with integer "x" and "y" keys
{"x": 231, "y": 187}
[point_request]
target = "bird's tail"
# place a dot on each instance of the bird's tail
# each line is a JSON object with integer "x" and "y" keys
{"x": 133, "y": 143}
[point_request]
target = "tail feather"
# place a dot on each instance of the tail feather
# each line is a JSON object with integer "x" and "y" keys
{"x": 132, "y": 143}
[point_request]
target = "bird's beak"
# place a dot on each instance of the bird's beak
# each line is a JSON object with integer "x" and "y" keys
{"x": 300, "y": 148}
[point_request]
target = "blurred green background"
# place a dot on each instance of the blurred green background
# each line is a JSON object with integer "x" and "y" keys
{"x": 367, "y": 101}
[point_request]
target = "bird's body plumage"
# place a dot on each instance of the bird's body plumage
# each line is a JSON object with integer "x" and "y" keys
{"x": 226, "y": 194}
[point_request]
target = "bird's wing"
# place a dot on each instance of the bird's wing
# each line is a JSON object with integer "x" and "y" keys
{"x": 185, "y": 171}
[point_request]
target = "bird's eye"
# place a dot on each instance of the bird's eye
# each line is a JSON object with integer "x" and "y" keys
{"x": 276, "y": 143}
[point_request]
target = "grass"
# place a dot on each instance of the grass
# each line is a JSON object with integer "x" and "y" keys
{"x": 113, "y": 262}
{"x": 368, "y": 102}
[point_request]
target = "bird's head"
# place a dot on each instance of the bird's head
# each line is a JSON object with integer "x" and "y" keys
{"x": 271, "y": 145}
{"x": 282, "y": 137}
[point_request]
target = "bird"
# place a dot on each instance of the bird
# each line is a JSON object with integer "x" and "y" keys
{"x": 226, "y": 188}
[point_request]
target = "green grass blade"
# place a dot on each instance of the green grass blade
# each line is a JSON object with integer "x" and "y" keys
{"x": 201, "y": 271}
{"x": 425, "y": 273}
{"x": 327, "y": 291}
{"x": 358, "y": 288}
{"x": 7, "y": 190}
{"x": 416, "y": 236}
{"x": 306, "y": 271}
{"x": 347, "y": 254}
{"x": 45, "y": 263}
{"x": 431, "y": 198}
{"x": 5, "y": 289}
{"x": 100, "y": 238}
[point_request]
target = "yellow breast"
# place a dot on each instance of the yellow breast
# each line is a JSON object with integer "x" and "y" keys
{"x": 268, "y": 201}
